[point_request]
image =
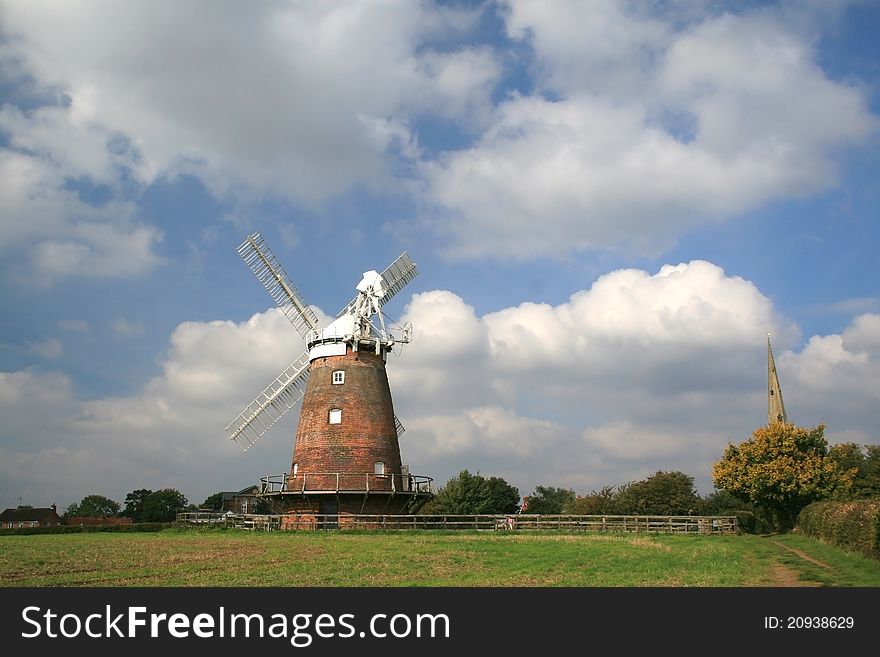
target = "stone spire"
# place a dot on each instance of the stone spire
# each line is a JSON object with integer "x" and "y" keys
{"x": 775, "y": 405}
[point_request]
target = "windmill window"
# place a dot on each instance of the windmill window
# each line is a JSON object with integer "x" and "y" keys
{"x": 335, "y": 416}
{"x": 295, "y": 468}
{"x": 338, "y": 377}
{"x": 379, "y": 467}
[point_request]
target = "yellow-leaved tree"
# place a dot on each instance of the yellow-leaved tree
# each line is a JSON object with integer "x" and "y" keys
{"x": 781, "y": 469}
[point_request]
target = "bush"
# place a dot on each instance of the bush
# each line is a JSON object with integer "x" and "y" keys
{"x": 851, "y": 525}
{"x": 751, "y": 522}
{"x": 88, "y": 529}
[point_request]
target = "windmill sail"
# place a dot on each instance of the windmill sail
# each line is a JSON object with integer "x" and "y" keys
{"x": 399, "y": 426}
{"x": 271, "y": 404}
{"x": 395, "y": 277}
{"x": 265, "y": 266}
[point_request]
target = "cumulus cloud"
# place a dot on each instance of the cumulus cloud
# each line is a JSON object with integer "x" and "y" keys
{"x": 171, "y": 433}
{"x": 643, "y": 131}
{"x": 638, "y": 373}
{"x": 56, "y": 233}
{"x": 845, "y": 366}
{"x": 637, "y": 126}
{"x": 281, "y": 96}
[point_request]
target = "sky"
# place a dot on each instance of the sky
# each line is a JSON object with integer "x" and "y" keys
{"x": 611, "y": 205}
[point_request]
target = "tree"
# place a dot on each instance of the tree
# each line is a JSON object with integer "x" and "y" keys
{"x": 474, "y": 494}
{"x": 214, "y": 502}
{"x": 603, "y": 502}
{"x": 163, "y": 505}
{"x": 547, "y": 499}
{"x": 781, "y": 468}
{"x": 661, "y": 494}
{"x": 134, "y": 504}
{"x": 93, "y": 506}
{"x": 867, "y": 482}
{"x": 864, "y": 466}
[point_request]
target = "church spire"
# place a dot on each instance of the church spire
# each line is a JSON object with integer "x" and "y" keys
{"x": 775, "y": 405}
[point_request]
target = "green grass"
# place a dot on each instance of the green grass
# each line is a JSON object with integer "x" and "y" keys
{"x": 241, "y": 558}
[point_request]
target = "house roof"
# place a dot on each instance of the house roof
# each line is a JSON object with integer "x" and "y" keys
{"x": 231, "y": 494}
{"x": 23, "y": 514}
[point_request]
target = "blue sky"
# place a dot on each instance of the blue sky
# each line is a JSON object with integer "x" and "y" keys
{"x": 610, "y": 204}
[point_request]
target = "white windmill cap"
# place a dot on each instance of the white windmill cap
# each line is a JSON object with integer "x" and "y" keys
{"x": 372, "y": 279}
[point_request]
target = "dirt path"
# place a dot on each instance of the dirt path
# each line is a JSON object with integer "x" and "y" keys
{"x": 803, "y": 555}
{"x": 788, "y": 577}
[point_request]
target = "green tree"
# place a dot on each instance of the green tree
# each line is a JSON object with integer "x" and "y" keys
{"x": 867, "y": 483}
{"x": 547, "y": 499}
{"x": 724, "y": 503}
{"x": 134, "y": 504}
{"x": 163, "y": 505}
{"x": 93, "y": 506}
{"x": 603, "y": 502}
{"x": 781, "y": 468}
{"x": 474, "y": 494}
{"x": 661, "y": 494}
{"x": 863, "y": 463}
{"x": 214, "y": 502}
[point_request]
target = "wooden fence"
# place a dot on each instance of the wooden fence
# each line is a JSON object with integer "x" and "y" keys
{"x": 503, "y": 523}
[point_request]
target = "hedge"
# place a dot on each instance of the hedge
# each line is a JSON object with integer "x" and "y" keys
{"x": 851, "y": 525}
{"x": 88, "y": 529}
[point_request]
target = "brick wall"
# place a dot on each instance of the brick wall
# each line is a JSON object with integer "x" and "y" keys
{"x": 367, "y": 433}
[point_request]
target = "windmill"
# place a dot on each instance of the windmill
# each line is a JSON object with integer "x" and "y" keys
{"x": 346, "y": 456}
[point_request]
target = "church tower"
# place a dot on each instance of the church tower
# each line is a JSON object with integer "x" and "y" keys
{"x": 775, "y": 405}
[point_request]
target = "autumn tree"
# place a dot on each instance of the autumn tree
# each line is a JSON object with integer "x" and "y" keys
{"x": 781, "y": 468}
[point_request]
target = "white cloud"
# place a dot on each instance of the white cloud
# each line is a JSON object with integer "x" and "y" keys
{"x": 74, "y": 325}
{"x": 649, "y": 130}
{"x": 124, "y": 328}
{"x": 169, "y": 434}
{"x": 50, "y": 348}
{"x": 58, "y": 234}
{"x": 268, "y": 97}
{"x": 640, "y": 372}
{"x": 845, "y": 368}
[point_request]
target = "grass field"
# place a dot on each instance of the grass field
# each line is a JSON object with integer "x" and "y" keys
{"x": 241, "y": 558}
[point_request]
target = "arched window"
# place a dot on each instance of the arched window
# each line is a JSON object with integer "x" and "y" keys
{"x": 335, "y": 416}
{"x": 379, "y": 467}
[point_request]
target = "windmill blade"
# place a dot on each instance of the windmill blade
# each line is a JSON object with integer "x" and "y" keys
{"x": 399, "y": 426}
{"x": 271, "y": 404}
{"x": 394, "y": 279}
{"x": 256, "y": 255}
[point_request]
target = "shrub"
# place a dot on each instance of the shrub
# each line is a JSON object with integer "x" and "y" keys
{"x": 88, "y": 529}
{"x": 853, "y": 525}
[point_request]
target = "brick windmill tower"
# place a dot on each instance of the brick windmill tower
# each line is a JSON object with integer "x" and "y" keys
{"x": 346, "y": 457}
